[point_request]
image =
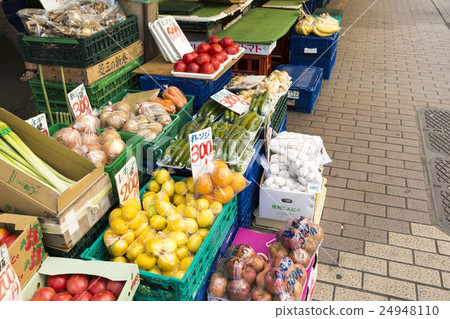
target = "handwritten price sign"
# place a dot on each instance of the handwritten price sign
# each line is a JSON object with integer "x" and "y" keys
{"x": 200, "y": 145}
{"x": 9, "y": 282}
{"x": 39, "y": 122}
{"x": 79, "y": 101}
{"x": 174, "y": 34}
{"x": 231, "y": 101}
{"x": 127, "y": 181}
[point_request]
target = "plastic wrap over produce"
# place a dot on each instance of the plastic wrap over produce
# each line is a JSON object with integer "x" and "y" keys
{"x": 243, "y": 275}
{"x": 79, "y": 19}
{"x": 296, "y": 162}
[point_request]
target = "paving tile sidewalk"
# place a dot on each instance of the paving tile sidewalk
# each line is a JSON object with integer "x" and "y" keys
{"x": 378, "y": 215}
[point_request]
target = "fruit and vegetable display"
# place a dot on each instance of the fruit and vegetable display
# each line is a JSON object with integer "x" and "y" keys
{"x": 78, "y": 287}
{"x": 6, "y": 238}
{"x": 83, "y": 138}
{"x": 163, "y": 232}
{"x": 297, "y": 160}
{"x": 243, "y": 275}
{"x": 16, "y": 153}
{"x": 83, "y": 19}
{"x": 322, "y": 26}
{"x": 208, "y": 57}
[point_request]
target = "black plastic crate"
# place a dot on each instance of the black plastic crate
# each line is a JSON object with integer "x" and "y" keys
{"x": 79, "y": 52}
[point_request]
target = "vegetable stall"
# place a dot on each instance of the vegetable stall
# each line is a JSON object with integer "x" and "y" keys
{"x": 167, "y": 179}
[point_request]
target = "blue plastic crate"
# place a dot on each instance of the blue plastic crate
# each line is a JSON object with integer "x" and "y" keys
{"x": 201, "y": 295}
{"x": 283, "y": 124}
{"x": 312, "y": 45}
{"x": 248, "y": 198}
{"x": 201, "y": 89}
{"x": 306, "y": 85}
{"x": 326, "y": 64}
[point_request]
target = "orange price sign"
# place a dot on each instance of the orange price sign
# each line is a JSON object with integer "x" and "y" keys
{"x": 231, "y": 101}
{"x": 127, "y": 181}
{"x": 200, "y": 145}
{"x": 79, "y": 101}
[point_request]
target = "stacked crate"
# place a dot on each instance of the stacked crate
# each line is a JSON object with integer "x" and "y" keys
{"x": 103, "y": 62}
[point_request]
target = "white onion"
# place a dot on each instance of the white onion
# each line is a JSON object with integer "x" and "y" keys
{"x": 89, "y": 138}
{"x": 108, "y": 135}
{"x": 69, "y": 137}
{"x": 87, "y": 123}
{"x": 98, "y": 157}
{"x": 122, "y": 106}
{"x": 113, "y": 148}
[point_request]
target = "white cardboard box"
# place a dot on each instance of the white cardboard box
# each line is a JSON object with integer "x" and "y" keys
{"x": 282, "y": 205}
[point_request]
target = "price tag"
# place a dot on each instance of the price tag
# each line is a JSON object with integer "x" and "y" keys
{"x": 314, "y": 187}
{"x": 231, "y": 101}
{"x": 79, "y": 101}
{"x": 200, "y": 145}
{"x": 174, "y": 34}
{"x": 127, "y": 181}
{"x": 39, "y": 122}
{"x": 9, "y": 282}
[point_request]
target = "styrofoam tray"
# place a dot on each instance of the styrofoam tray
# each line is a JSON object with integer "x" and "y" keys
{"x": 198, "y": 76}
{"x": 237, "y": 55}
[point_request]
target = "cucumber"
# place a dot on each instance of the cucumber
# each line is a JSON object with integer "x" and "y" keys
{"x": 252, "y": 103}
{"x": 263, "y": 102}
{"x": 176, "y": 146}
{"x": 257, "y": 98}
{"x": 179, "y": 154}
{"x": 249, "y": 119}
{"x": 255, "y": 124}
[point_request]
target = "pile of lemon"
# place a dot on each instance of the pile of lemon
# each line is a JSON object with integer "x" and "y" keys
{"x": 163, "y": 234}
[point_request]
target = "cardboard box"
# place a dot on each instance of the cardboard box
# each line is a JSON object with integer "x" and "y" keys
{"x": 110, "y": 270}
{"x": 282, "y": 205}
{"x": 27, "y": 251}
{"x": 64, "y": 218}
{"x": 95, "y": 72}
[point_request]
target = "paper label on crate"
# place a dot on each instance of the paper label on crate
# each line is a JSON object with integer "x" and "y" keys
{"x": 79, "y": 101}
{"x": 310, "y": 50}
{"x": 39, "y": 122}
{"x": 175, "y": 35}
{"x": 314, "y": 187}
{"x": 200, "y": 146}
{"x": 50, "y": 5}
{"x": 231, "y": 101}
{"x": 127, "y": 181}
{"x": 293, "y": 94}
{"x": 259, "y": 49}
{"x": 9, "y": 282}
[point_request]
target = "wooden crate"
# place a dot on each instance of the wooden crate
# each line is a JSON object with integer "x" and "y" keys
{"x": 253, "y": 64}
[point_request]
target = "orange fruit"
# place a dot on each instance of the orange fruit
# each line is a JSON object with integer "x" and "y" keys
{"x": 203, "y": 184}
{"x": 238, "y": 182}
{"x": 209, "y": 198}
{"x": 221, "y": 176}
{"x": 224, "y": 194}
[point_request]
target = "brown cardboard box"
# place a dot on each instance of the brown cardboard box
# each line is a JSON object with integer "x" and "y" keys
{"x": 64, "y": 218}
{"x": 95, "y": 72}
{"x": 27, "y": 252}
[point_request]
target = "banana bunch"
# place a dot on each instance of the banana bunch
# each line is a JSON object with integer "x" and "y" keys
{"x": 304, "y": 27}
{"x": 326, "y": 26}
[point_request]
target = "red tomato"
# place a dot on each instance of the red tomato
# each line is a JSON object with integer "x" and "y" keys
{"x": 38, "y": 299}
{"x": 104, "y": 296}
{"x": 180, "y": 66}
{"x": 193, "y": 68}
{"x": 214, "y": 40}
{"x": 215, "y": 63}
{"x": 226, "y": 41}
{"x": 219, "y": 57}
{"x": 188, "y": 58}
{"x": 97, "y": 284}
{"x": 203, "y": 58}
{"x": 82, "y": 296}
{"x": 57, "y": 282}
{"x": 231, "y": 50}
{"x": 225, "y": 55}
{"x": 46, "y": 293}
{"x": 203, "y": 48}
{"x": 62, "y": 296}
{"x": 8, "y": 241}
{"x": 3, "y": 234}
{"x": 115, "y": 287}
{"x": 77, "y": 283}
{"x": 207, "y": 68}
{"x": 215, "y": 48}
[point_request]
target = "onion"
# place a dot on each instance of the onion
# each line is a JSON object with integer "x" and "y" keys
{"x": 148, "y": 135}
{"x": 146, "y": 109}
{"x": 109, "y": 134}
{"x": 89, "y": 138}
{"x": 164, "y": 120}
{"x": 117, "y": 119}
{"x": 122, "y": 106}
{"x": 69, "y": 137}
{"x": 93, "y": 147}
{"x": 98, "y": 157}
{"x": 142, "y": 118}
{"x": 155, "y": 126}
{"x": 132, "y": 126}
{"x": 113, "y": 148}
{"x": 87, "y": 123}
{"x": 107, "y": 109}
{"x": 104, "y": 119}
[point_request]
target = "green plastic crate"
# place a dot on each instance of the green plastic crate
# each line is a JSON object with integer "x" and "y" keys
{"x": 280, "y": 111}
{"x": 161, "y": 288}
{"x": 332, "y": 12}
{"x": 85, "y": 242}
{"x": 134, "y": 148}
{"x": 79, "y": 52}
{"x": 98, "y": 92}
